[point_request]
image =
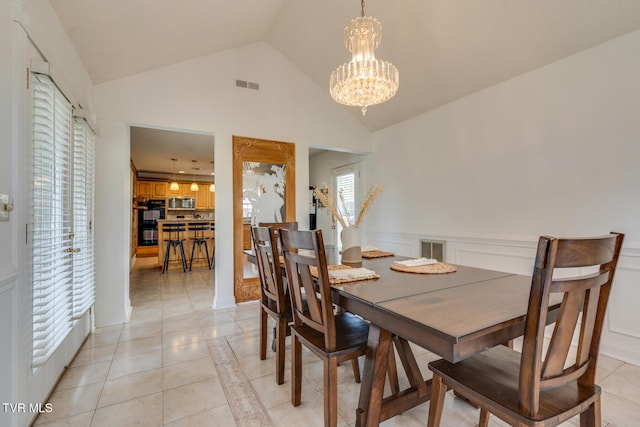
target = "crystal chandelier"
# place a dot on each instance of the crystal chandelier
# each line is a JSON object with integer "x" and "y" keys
{"x": 364, "y": 80}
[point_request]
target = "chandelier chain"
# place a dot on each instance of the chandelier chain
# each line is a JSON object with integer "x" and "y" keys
{"x": 362, "y": 5}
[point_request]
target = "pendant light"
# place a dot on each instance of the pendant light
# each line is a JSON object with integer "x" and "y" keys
{"x": 212, "y": 187}
{"x": 365, "y": 80}
{"x": 174, "y": 185}
{"x": 194, "y": 184}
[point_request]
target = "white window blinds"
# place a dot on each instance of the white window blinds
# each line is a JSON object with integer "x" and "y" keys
{"x": 51, "y": 226}
{"x": 62, "y": 245}
{"x": 83, "y": 196}
{"x": 346, "y": 188}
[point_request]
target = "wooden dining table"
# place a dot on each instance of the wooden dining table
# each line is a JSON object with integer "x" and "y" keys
{"x": 454, "y": 315}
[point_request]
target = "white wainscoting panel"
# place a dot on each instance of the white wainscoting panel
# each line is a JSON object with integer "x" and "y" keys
{"x": 621, "y": 335}
{"x": 621, "y": 338}
{"x": 398, "y": 246}
{"x": 494, "y": 260}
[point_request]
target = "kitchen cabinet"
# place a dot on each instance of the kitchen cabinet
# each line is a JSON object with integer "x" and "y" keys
{"x": 152, "y": 189}
{"x": 184, "y": 190}
{"x": 205, "y": 199}
{"x": 173, "y": 192}
{"x": 246, "y": 237}
{"x": 212, "y": 200}
{"x": 144, "y": 189}
{"x": 160, "y": 189}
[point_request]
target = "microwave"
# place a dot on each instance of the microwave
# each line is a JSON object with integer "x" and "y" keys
{"x": 176, "y": 203}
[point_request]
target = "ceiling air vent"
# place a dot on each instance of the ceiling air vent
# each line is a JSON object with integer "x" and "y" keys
{"x": 247, "y": 85}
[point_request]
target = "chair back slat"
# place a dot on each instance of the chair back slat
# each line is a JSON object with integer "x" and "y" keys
{"x": 584, "y": 252}
{"x": 276, "y": 226}
{"x": 303, "y": 250}
{"x": 269, "y": 269}
{"x": 560, "y": 343}
{"x": 291, "y": 225}
{"x": 584, "y": 300}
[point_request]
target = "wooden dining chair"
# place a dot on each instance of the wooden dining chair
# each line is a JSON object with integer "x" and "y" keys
{"x": 274, "y": 302}
{"x": 332, "y": 337}
{"x": 539, "y": 387}
{"x": 276, "y": 226}
{"x": 291, "y": 225}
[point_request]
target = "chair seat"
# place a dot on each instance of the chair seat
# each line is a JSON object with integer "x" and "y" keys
{"x": 491, "y": 378}
{"x": 272, "y": 308}
{"x": 351, "y": 335}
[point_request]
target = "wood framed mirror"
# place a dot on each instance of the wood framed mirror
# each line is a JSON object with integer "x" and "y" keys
{"x": 264, "y": 189}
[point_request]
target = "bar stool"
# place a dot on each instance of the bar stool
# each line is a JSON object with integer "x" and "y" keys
{"x": 172, "y": 232}
{"x": 199, "y": 238}
{"x": 212, "y": 264}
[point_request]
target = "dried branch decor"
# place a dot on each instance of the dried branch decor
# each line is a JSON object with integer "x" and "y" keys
{"x": 336, "y": 203}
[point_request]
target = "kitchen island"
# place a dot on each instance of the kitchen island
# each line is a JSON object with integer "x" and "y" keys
{"x": 199, "y": 258}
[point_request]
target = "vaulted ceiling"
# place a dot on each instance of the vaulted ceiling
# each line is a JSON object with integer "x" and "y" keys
{"x": 444, "y": 49}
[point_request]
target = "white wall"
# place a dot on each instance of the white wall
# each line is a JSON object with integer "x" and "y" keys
{"x": 113, "y": 189}
{"x": 200, "y": 95}
{"x": 554, "y": 151}
{"x": 8, "y": 255}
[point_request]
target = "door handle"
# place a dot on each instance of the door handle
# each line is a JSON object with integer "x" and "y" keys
{"x": 72, "y": 250}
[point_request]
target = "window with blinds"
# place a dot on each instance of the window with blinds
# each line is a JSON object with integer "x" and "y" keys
{"x": 346, "y": 190}
{"x": 61, "y": 218}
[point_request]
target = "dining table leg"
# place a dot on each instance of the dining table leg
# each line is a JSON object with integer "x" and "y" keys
{"x": 373, "y": 378}
{"x": 373, "y": 408}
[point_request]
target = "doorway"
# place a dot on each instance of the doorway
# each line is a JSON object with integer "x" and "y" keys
{"x": 325, "y": 168}
{"x": 160, "y": 158}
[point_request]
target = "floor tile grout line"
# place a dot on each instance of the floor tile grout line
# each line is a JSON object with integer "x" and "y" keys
{"x": 223, "y": 345}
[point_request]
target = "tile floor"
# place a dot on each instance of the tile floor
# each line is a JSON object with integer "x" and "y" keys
{"x": 179, "y": 363}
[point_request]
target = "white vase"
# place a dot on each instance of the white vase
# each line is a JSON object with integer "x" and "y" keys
{"x": 351, "y": 251}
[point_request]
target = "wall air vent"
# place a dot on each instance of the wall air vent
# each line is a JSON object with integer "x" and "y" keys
{"x": 247, "y": 85}
{"x": 433, "y": 249}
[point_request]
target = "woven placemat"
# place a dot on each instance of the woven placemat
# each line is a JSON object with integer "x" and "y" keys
{"x": 439, "y": 268}
{"x": 314, "y": 273}
{"x": 376, "y": 254}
